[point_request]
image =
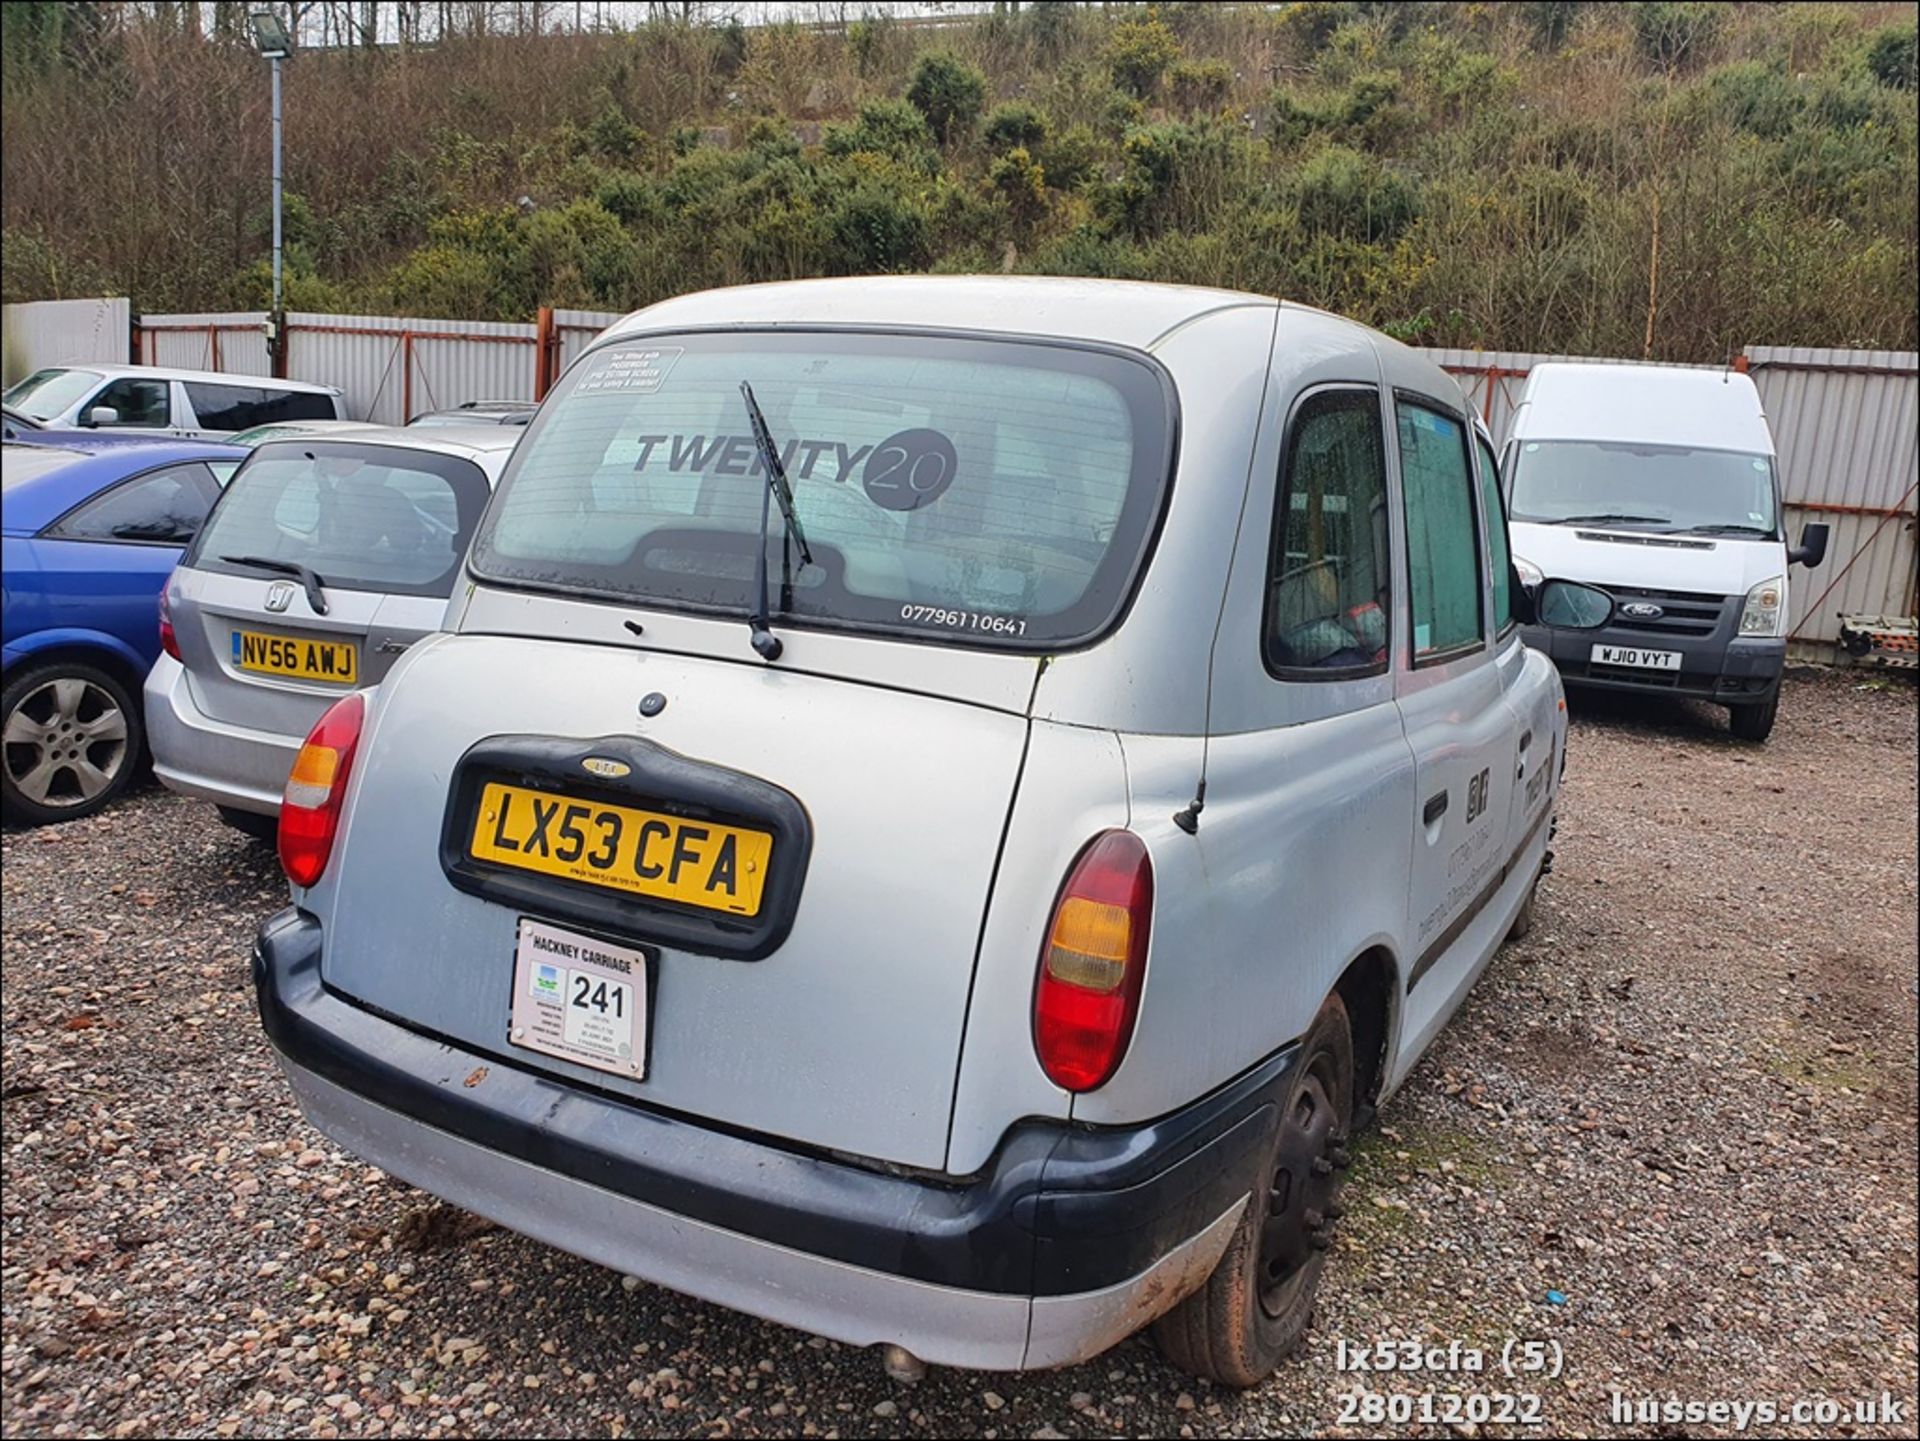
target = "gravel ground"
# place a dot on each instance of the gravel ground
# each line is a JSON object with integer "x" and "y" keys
{"x": 1684, "y": 1106}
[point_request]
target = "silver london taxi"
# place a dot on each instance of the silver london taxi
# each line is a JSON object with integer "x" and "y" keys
{"x": 942, "y": 805}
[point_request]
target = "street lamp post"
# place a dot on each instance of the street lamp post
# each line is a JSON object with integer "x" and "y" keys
{"x": 275, "y": 43}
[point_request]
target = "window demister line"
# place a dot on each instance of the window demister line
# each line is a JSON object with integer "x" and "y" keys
{"x": 765, "y": 643}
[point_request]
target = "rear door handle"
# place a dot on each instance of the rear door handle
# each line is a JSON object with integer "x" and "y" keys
{"x": 1435, "y": 808}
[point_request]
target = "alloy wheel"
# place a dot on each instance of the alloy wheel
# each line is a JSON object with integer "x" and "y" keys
{"x": 65, "y": 743}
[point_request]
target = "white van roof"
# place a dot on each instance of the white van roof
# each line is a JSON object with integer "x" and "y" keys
{"x": 1653, "y": 404}
{"x": 210, "y": 377}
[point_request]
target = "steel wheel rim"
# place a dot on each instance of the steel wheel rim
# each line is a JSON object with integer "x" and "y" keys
{"x": 65, "y": 743}
{"x": 1308, "y": 1156}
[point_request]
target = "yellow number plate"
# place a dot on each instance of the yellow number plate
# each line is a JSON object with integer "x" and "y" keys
{"x": 670, "y": 858}
{"x": 332, "y": 660}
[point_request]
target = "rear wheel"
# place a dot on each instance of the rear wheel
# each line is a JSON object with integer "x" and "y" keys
{"x": 1523, "y": 919}
{"x": 1753, "y": 722}
{"x": 71, "y": 737}
{"x": 1255, "y": 1307}
{"x": 265, "y": 829}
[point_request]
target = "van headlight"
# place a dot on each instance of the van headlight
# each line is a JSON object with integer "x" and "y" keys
{"x": 1531, "y": 576}
{"x": 1765, "y": 612}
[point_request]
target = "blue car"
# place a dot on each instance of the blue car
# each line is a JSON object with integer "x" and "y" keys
{"x": 89, "y": 533}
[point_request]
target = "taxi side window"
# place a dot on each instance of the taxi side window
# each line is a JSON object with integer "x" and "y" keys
{"x": 1499, "y": 567}
{"x": 1443, "y": 533}
{"x": 1329, "y": 588}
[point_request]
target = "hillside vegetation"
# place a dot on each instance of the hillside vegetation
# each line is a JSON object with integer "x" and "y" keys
{"x": 1673, "y": 179}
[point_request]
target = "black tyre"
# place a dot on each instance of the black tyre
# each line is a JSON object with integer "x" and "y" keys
{"x": 1753, "y": 722}
{"x": 1256, "y": 1305}
{"x": 1523, "y": 921}
{"x": 71, "y": 737}
{"x": 265, "y": 829}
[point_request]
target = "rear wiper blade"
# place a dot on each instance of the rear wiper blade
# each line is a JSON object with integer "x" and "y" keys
{"x": 309, "y": 580}
{"x": 1615, "y": 518}
{"x": 765, "y": 642}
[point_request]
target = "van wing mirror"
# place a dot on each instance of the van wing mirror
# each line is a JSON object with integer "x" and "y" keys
{"x": 1568, "y": 605}
{"x": 1813, "y": 545}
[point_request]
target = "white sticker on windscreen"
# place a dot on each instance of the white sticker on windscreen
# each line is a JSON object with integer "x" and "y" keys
{"x": 632, "y": 372}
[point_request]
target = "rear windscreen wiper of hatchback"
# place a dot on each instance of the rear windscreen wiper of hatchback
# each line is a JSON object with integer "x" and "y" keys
{"x": 765, "y": 642}
{"x": 309, "y": 580}
{"x": 1611, "y": 518}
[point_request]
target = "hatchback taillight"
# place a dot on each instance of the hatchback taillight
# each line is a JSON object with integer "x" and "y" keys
{"x": 1093, "y": 963}
{"x": 167, "y": 641}
{"x": 310, "y": 805}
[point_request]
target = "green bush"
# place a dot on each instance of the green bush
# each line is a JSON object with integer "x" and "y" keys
{"x": 949, "y": 93}
{"x": 1306, "y": 26}
{"x": 1757, "y": 97}
{"x": 1196, "y": 85}
{"x": 1017, "y": 181}
{"x": 1139, "y": 51}
{"x": 1071, "y": 158}
{"x": 1676, "y": 33}
{"x": 1891, "y": 57}
{"x": 1344, "y": 193}
{"x": 892, "y": 128}
{"x": 1015, "y": 124}
{"x": 877, "y": 229}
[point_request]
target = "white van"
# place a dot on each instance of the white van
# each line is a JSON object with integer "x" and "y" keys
{"x": 204, "y": 404}
{"x": 1658, "y": 485}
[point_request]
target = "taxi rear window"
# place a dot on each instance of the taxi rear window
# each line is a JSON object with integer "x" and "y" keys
{"x": 988, "y": 492}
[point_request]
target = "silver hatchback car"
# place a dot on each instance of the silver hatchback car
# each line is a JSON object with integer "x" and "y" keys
{"x": 328, "y": 555}
{"x": 941, "y": 806}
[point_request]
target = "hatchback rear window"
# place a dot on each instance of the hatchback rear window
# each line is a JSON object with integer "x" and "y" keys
{"x": 365, "y": 517}
{"x": 986, "y": 492}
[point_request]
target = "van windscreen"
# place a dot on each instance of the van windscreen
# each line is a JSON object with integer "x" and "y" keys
{"x": 1634, "y": 486}
{"x": 977, "y": 491}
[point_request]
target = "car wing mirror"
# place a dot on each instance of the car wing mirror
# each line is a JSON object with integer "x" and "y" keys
{"x": 103, "y": 415}
{"x": 1813, "y": 545}
{"x": 1568, "y": 605}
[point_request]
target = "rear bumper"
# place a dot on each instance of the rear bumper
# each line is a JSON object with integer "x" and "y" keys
{"x": 1723, "y": 668}
{"x": 1068, "y": 1241}
{"x": 198, "y": 756}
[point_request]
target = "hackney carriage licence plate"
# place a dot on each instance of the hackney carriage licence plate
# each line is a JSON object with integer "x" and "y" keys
{"x": 580, "y": 998}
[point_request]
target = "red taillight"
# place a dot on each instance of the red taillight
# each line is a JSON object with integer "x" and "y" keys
{"x": 167, "y": 641}
{"x": 1093, "y": 963}
{"x": 310, "y": 806}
